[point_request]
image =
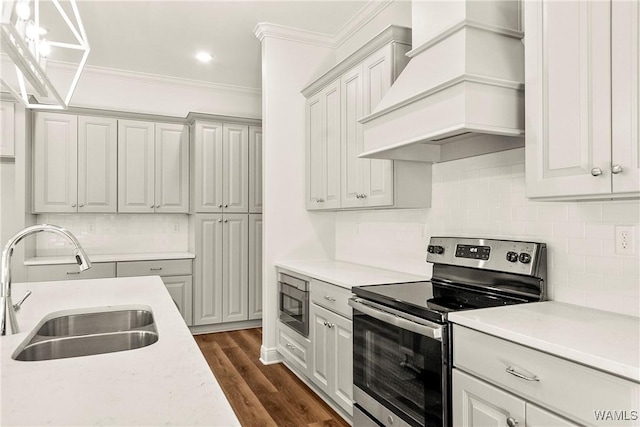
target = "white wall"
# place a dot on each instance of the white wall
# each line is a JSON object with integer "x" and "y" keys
{"x": 484, "y": 197}
{"x": 290, "y": 232}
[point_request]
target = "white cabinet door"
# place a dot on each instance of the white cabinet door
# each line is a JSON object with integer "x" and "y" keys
{"x": 55, "y": 163}
{"x": 477, "y": 403}
{"x": 97, "y": 164}
{"x": 625, "y": 69}
{"x": 353, "y": 186}
{"x": 568, "y": 103}
{"x": 378, "y": 173}
{"x": 235, "y": 269}
{"x": 171, "y": 168}
{"x": 323, "y": 148}
{"x": 255, "y": 266}
{"x": 7, "y": 127}
{"x": 538, "y": 417}
{"x": 255, "y": 169}
{"x": 208, "y": 166}
{"x": 136, "y": 167}
{"x": 207, "y": 307}
{"x": 321, "y": 341}
{"x": 180, "y": 289}
{"x": 342, "y": 363}
{"x": 235, "y": 154}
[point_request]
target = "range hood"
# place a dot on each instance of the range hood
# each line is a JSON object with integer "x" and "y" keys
{"x": 462, "y": 92}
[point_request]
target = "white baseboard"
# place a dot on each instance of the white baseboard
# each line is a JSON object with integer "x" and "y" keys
{"x": 223, "y": 327}
{"x": 269, "y": 356}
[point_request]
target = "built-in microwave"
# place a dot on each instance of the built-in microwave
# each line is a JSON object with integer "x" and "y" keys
{"x": 294, "y": 302}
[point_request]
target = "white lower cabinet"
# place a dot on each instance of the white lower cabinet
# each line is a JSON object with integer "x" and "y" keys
{"x": 181, "y": 290}
{"x": 500, "y": 383}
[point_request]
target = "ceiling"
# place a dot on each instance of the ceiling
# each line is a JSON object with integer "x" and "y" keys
{"x": 162, "y": 37}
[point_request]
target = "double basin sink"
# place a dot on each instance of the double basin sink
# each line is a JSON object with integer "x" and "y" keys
{"x": 88, "y": 332}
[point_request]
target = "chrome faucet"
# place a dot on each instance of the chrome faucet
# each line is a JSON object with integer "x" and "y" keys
{"x": 7, "y": 308}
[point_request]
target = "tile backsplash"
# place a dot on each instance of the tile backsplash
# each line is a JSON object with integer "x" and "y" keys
{"x": 116, "y": 234}
{"x": 484, "y": 196}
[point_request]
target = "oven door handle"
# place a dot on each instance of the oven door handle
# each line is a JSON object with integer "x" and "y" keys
{"x": 426, "y": 329}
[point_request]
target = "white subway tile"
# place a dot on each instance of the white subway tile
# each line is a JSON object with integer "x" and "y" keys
{"x": 627, "y": 212}
{"x": 524, "y": 213}
{"x": 553, "y": 213}
{"x": 586, "y": 281}
{"x": 603, "y": 265}
{"x": 598, "y": 230}
{"x": 585, "y": 211}
{"x": 585, "y": 246}
{"x": 568, "y": 229}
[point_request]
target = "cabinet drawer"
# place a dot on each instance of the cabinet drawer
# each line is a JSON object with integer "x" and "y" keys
{"x": 568, "y": 388}
{"x": 46, "y": 273}
{"x": 174, "y": 267}
{"x": 333, "y": 297}
{"x": 294, "y": 348}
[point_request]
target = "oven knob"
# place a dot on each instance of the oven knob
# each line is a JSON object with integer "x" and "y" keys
{"x": 525, "y": 258}
{"x": 439, "y": 250}
{"x": 430, "y": 249}
{"x": 512, "y": 256}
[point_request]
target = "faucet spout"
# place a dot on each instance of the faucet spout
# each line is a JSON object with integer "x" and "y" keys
{"x": 8, "y": 321}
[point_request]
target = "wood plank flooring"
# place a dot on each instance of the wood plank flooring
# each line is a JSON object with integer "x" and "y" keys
{"x": 262, "y": 395}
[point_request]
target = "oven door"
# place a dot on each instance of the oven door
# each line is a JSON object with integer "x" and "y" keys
{"x": 294, "y": 308}
{"x": 398, "y": 369}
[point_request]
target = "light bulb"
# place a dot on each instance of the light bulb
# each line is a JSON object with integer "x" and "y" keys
{"x": 45, "y": 48}
{"x": 23, "y": 10}
{"x": 204, "y": 56}
{"x": 31, "y": 32}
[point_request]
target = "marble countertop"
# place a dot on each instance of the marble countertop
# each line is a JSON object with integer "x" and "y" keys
{"x": 599, "y": 339}
{"x": 346, "y": 274}
{"x": 41, "y": 260}
{"x": 166, "y": 383}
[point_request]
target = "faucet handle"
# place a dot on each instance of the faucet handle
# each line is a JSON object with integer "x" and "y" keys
{"x": 17, "y": 305}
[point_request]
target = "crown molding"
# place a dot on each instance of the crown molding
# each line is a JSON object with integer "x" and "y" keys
{"x": 117, "y": 74}
{"x": 333, "y": 41}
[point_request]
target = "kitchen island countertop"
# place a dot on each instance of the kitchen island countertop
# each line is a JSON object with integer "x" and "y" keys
{"x": 599, "y": 339}
{"x": 346, "y": 274}
{"x": 166, "y": 383}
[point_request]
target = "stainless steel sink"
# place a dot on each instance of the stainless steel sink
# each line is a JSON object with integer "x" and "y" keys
{"x": 96, "y": 323}
{"x": 90, "y": 332}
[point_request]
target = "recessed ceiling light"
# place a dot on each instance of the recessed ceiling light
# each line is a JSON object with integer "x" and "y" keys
{"x": 204, "y": 56}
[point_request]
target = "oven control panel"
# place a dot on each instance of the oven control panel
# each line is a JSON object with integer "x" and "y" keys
{"x": 491, "y": 254}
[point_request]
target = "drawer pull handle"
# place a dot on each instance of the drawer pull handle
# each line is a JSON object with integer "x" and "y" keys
{"x": 69, "y": 273}
{"x": 328, "y": 298}
{"x": 155, "y": 268}
{"x": 512, "y": 422}
{"x": 511, "y": 370}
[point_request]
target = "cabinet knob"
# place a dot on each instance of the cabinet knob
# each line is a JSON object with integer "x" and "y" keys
{"x": 596, "y": 171}
{"x": 219, "y": 220}
{"x": 226, "y": 220}
{"x": 616, "y": 169}
{"x": 319, "y": 200}
{"x": 220, "y": 206}
{"x": 226, "y": 206}
{"x": 151, "y": 206}
{"x": 363, "y": 196}
{"x": 329, "y": 298}
{"x": 512, "y": 422}
{"x": 81, "y": 205}
{"x": 73, "y": 205}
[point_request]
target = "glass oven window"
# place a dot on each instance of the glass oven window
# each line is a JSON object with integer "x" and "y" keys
{"x": 402, "y": 370}
{"x": 292, "y": 306}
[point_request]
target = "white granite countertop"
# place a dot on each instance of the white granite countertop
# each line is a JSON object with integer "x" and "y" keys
{"x": 600, "y": 339}
{"x": 49, "y": 260}
{"x": 346, "y": 274}
{"x": 166, "y": 383}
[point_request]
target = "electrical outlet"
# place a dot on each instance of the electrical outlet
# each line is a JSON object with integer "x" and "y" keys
{"x": 176, "y": 227}
{"x": 625, "y": 240}
{"x": 91, "y": 227}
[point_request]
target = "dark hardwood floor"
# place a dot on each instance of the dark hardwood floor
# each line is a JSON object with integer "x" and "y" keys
{"x": 262, "y": 395}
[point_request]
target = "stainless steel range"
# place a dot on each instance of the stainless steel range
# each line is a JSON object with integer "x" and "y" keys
{"x": 401, "y": 339}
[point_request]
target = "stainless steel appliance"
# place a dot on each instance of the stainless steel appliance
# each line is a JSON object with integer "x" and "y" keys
{"x": 401, "y": 339}
{"x": 294, "y": 302}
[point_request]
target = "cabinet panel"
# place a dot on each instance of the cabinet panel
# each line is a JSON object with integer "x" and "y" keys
{"x": 352, "y": 139}
{"x": 568, "y": 102}
{"x": 321, "y": 339}
{"x": 171, "y": 168}
{"x": 7, "y": 128}
{"x": 136, "y": 167}
{"x": 170, "y": 267}
{"x": 538, "y": 417}
{"x": 235, "y": 152}
{"x": 180, "y": 289}
{"x": 476, "y": 403}
{"x": 208, "y": 167}
{"x": 332, "y": 131}
{"x": 255, "y": 169}
{"x": 315, "y": 153}
{"x": 55, "y": 163}
{"x": 97, "y": 164}
{"x": 255, "y": 266}
{"x": 208, "y": 270}
{"x": 625, "y": 69}
{"x": 48, "y": 273}
{"x": 235, "y": 270}
{"x": 342, "y": 390}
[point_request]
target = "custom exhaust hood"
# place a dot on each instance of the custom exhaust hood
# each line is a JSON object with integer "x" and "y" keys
{"x": 462, "y": 92}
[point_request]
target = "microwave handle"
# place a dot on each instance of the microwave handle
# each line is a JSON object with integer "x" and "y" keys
{"x": 396, "y": 319}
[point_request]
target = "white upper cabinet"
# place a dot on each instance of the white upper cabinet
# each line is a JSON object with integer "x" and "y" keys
{"x": 75, "y": 164}
{"x": 7, "y": 127}
{"x": 153, "y": 167}
{"x": 208, "y": 166}
{"x": 235, "y": 155}
{"x": 255, "y": 169}
{"x": 323, "y": 148}
{"x": 581, "y": 56}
